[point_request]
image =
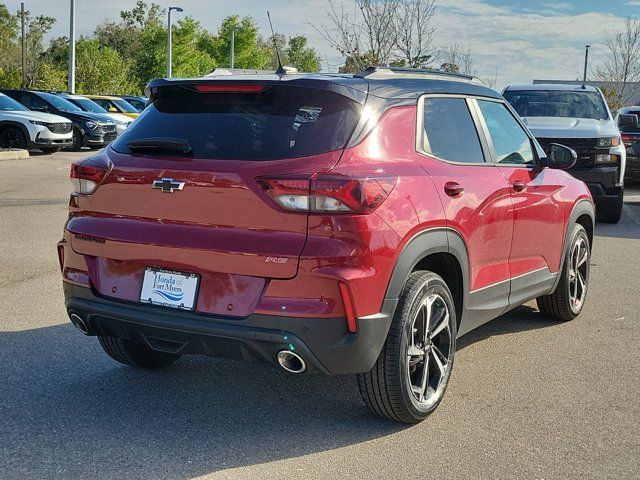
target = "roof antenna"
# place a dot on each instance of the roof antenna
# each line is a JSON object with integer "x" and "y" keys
{"x": 280, "y": 70}
{"x": 586, "y": 62}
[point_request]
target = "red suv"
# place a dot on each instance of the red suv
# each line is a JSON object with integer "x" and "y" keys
{"x": 323, "y": 223}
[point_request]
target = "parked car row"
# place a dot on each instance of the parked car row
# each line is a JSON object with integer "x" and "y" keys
{"x": 50, "y": 121}
{"x": 578, "y": 116}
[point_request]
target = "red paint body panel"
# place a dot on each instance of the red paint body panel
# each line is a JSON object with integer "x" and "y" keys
{"x": 225, "y": 228}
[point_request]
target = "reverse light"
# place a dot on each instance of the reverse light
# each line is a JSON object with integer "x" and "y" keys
{"x": 607, "y": 142}
{"x": 329, "y": 193}
{"x": 85, "y": 176}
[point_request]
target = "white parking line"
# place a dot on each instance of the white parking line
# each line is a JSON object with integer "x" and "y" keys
{"x": 632, "y": 214}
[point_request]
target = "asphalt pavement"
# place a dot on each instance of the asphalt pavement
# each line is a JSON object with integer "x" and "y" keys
{"x": 528, "y": 399}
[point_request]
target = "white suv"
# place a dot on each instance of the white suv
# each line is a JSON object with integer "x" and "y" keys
{"x": 22, "y": 128}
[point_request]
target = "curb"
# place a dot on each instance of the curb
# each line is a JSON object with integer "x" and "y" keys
{"x": 13, "y": 154}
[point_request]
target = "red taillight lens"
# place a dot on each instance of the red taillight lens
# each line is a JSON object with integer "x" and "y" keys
{"x": 628, "y": 140}
{"x": 229, "y": 87}
{"x": 86, "y": 175}
{"x": 329, "y": 193}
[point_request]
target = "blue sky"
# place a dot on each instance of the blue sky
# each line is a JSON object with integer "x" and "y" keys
{"x": 521, "y": 40}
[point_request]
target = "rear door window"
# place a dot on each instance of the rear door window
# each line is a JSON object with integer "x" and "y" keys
{"x": 449, "y": 130}
{"x": 277, "y": 122}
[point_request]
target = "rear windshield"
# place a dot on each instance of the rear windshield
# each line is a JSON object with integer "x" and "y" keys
{"x": 278, "y": 122}
{"x": 550, "y": 103}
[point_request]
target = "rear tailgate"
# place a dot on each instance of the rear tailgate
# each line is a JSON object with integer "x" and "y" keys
{"x": 201, "y": 210}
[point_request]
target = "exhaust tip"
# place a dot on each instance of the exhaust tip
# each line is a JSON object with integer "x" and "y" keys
{"x": 291, "y": 362}
{"x": 79, "y": 323}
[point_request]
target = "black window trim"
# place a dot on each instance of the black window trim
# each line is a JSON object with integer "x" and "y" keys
{"x": 482, "y": 136}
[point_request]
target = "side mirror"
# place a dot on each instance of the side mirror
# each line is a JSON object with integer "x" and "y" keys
{"x": 113, "y": 110}
{"x": 627, "y": 121}
{"x": 561, "y": 157}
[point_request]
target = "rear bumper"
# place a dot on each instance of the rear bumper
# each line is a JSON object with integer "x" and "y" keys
{"x": 324, "y": 343}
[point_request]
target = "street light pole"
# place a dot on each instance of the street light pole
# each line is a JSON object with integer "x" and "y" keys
{"x": 233, "y": 44}
{"x": 177, "y": 9}
{"x": 24, "y": 48}
{"x": 71, "y": 78}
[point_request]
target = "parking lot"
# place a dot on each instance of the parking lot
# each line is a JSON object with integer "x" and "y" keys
{"x": 528, "y": 398}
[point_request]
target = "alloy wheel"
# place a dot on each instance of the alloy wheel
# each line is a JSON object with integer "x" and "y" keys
{"x": 11, "y": 139}
{"x": 429, "y": 350}
{"x": 578, "y": 273}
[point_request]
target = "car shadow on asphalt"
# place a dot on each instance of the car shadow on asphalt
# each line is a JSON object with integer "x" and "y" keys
{"x": 68, "y": 411}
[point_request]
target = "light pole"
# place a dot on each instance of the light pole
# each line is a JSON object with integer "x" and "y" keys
{"x": 177, "y": 9}
{"x": 71, "y": 77}
{"x": 233, "y": 43}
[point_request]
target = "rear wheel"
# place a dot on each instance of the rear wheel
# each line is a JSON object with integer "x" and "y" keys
{"x": 610, "y": 211}
{"x": 568, "y": 299}
{"x": 12, "y": 137}
{"x": 136, "y": 354}
{"x": 412, "y": 372}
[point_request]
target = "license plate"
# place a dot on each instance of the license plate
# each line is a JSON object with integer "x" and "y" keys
{"x": 169, "y": 289}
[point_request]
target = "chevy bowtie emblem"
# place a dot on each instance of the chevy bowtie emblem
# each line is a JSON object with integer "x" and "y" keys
{"x": 168, "y": 185}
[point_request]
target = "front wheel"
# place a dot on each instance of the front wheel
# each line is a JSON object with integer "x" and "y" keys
{"x": 78, "y": 140}
{"x": 610, "y": 211}
{"x": 412, "y": 372}
{"x": 12, "y": 137}
{"x": 568, "y": 299}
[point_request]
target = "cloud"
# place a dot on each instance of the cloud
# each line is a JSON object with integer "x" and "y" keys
{"x": 521, "y": 45}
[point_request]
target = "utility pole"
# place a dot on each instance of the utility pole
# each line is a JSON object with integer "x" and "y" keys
{"x": 24, "y": 48}
{"x": 71, "y": 80}
{"x": 586, "y": 62}
{"x": 233, "y": 44}
{"x": 177, "y": 9}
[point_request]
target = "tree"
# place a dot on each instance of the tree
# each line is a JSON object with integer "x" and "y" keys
{"x": 457, "y": 60}
{"x": 299, "y": 55}
{"x": 620, "y": 69}
{"x": 366, "y": 36}
{"x": 101, "y": 69}
{"x": 250, "y": 51}
{"x": 414, "y": 32}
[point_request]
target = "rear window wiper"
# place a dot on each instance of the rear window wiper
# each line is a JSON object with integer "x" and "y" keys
{"x": 150, "y": 144}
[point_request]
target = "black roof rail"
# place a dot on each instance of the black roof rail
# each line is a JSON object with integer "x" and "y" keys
{"x": 381, "y": 70}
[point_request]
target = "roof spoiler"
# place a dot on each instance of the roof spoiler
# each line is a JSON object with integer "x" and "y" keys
{"x": 225, "y": 72}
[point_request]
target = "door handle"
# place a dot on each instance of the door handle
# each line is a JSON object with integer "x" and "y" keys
{"x": 453, "y": 189}
{"x": 519, "y": 186}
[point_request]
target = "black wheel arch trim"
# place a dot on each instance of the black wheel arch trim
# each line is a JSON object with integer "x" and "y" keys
{"x": 580, "y": 208}
{"x": 23, "y": 129}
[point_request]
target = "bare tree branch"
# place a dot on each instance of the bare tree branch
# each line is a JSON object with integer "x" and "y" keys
{"x": 457, "y": 60}
{"x": 415, "y": 32}
{"x": 621, "y": 68}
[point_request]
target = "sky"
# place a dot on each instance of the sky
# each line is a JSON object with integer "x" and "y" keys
{"x": 515, "y": 41}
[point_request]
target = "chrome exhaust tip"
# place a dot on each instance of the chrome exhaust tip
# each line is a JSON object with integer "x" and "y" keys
{"x": 79, "y": 323}
{"x": 291, "y": 362}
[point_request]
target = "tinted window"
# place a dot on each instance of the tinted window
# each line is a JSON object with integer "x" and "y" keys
{"x": 125, "y": 106}
{"x": 60, "y": 103}
{"x": 549, "y": 103}
{"x": 277, "y": 122}
{"x": 9, "y": 104}
{"x": 31, "y": 101}
{"x": 88, "y": 105}
{"x": 450, "y": 132}
{"x": 510, "y": 142}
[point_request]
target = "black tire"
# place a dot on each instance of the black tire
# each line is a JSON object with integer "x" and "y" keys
{"x": 388, "y": 389}
{"x": 560, "y": 305}
{"x": 12, "y": 137}
{"x": 610, "y": 211}
{"x": 49, "y": 150}
{"x": 78, "y": 140}
{"x": 135, "y": 354}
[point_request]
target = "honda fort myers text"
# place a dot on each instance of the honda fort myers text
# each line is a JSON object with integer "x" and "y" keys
{"x": 342, "y": 224}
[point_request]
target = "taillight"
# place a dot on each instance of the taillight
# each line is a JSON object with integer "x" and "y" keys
{"x": 86, "y": 175}
{"x": 628, "y": 140}
{"x": 329, "y": 193}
